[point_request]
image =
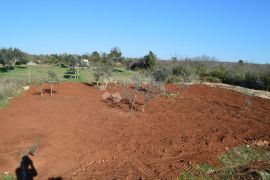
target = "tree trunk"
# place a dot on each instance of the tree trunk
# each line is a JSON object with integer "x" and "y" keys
{"x": 41, "y": 92}
{"x": 29, "y": 76}
{"x": 51, "y": 89}
{"x": 133, "y": 104}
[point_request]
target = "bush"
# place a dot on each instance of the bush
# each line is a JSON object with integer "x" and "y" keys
{"x": 266, "y": 81}
{"x": 174, "y": 79}
{"x": 219, "y": 72}
{"x": 253, "y": 76}
{"x": 162, "y": 74}
{"x": 181, "y": 71}
{"x": 232, "y": 77}
{"x": 9, "y": 88}
{"x": 211, "y": 79}
{"x": 253, "y": 81}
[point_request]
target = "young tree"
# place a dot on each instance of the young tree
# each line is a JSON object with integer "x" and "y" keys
{"x": 98, "y": 72}
{"x": 73, "y": 62}
{"x": 150, "y": 60}
{"x": 53, "y": 79}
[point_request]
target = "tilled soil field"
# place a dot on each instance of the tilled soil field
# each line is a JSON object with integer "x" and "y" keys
{"x": 82, "y": 137}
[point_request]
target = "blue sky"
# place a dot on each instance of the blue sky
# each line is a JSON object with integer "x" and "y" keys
{"x": 227, "y": 29}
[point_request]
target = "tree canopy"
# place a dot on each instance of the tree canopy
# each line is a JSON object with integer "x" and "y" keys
{"x": 12, "y": 56}
{"x": 95, "y": 56}
{"x": 150, "y": 60}
{"x": 115, "y": 55}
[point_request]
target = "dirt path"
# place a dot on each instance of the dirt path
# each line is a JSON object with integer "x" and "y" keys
{"x": 81, "y": 137}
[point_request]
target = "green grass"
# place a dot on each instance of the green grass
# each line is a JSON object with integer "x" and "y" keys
{"x": 190, "y": 176}
{"x": 205, "y": 168}
{"x": 3, "y": 102}
{"x": 40, "y": 72}
{"x": 7, "y": 177}
{"x": 36, "y": 72}
{"x": 243, "y": 155}
{"x": 11, "y": 81}
{"x": 232, "y": 161}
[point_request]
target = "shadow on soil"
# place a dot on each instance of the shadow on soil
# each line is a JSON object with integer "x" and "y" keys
{"x": 27, "y": 170}
{"x": 55, "y": 178}
{"x": 89, "y": 84}
{"x": 125, "y": 105}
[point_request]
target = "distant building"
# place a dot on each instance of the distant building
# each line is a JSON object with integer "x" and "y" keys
{"x": 84, "y": 63}
{"x": 31, "y": 63}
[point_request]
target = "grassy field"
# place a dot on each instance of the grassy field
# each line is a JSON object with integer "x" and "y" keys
{"x": 237, "y": 163}
{"x": 40, "y": 73}
{"x": 12, "y": 81}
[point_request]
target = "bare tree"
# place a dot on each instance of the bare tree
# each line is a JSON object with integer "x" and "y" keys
{"x": 53, "y": 79}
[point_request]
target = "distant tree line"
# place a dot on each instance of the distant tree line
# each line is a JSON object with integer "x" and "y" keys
{"x": 10, "y": 57}
{"x": 70, "y": 59}
{"x": 202, "y": 68}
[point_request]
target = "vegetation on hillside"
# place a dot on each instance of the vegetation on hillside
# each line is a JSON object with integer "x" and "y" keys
{"x": 72, "y": 67}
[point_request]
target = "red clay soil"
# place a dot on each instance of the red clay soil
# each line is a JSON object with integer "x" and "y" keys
{"x": 82, "y": 137}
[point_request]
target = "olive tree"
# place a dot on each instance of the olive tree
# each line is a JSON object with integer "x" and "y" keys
{"x": 73, "y": 61}
{"x": 9, "y": 57}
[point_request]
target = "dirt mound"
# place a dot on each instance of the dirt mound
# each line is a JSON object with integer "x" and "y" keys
{"x": 80, "y": 136}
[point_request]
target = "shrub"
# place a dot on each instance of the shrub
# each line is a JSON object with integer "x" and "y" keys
{"x": 211, "y": 79}
{"x": 174, "y": 79}
{"x": 130, "y": 95}
{"x": 219, "y": 72}
{"x": 266, "y": 81}
{"x": 162, "y": 74}
{"x": 252, "y": 80}
{"x": 201, "y": 70}
{"x": 181, "y": 71}
{"x": 136, "y": 81}
{"x": 234, "y": 78}
{"x": 9, "y": 88}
